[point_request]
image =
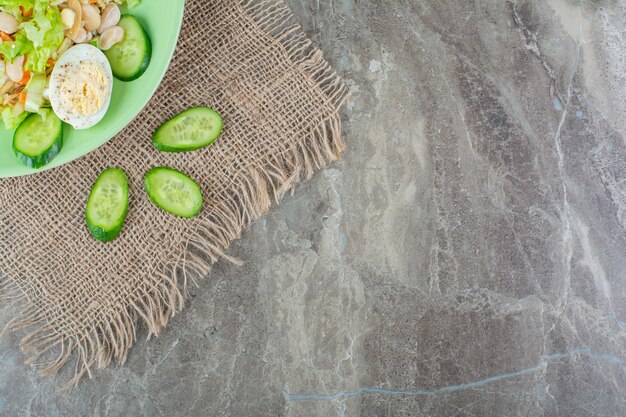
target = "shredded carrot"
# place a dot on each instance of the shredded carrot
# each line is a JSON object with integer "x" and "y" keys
{"x": 6, "y": 37}
{"x": 26, "y": 13}
{"x": 93, "y": 1}
{"x": 25, "y": 78}
{"x": 22, "y": 97}
{"x": 50, "y": 62}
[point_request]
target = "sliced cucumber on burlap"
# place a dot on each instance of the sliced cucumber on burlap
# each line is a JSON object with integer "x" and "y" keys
{"x": 107, "y": 205}
{"x": 190, "y": 130}
{"x": 173, "y": 191}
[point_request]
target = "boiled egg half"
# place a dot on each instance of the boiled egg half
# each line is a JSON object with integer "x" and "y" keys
{"x": 80, "y": 86}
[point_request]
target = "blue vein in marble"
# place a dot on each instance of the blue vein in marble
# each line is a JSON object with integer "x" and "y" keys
{"x": 452, "y": 388}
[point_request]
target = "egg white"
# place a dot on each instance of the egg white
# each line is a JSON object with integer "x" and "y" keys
{"x": 75, "y": 55}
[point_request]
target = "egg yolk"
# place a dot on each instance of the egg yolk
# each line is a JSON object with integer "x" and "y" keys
{"x": 83, "y": 88}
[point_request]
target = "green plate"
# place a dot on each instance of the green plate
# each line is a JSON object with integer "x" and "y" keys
{"x": 162, "y": 20}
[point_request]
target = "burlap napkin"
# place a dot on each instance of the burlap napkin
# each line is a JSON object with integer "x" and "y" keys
{"x": 81, "y": 301}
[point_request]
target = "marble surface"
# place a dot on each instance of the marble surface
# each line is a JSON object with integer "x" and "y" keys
{"x": 467, "y": 258}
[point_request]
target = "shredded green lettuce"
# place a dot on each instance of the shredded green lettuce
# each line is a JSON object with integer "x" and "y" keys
{"x": 19, "y": 47}
{"x": 34, "y": 93}
{"x": 13, "y": 7}
{"x": 46, "y": 33}
{"x": 39, "y": 37}
{"x": 13, "y": 116}
{"x": 132, "y": 3}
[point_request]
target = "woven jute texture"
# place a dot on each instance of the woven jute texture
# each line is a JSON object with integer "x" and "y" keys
{"x": 79, "y": 302}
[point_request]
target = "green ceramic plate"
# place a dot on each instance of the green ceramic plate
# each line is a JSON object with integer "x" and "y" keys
{"x": 162, "y": 20}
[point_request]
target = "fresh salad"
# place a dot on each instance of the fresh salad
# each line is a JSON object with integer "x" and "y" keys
{"x": 57, "y": 63}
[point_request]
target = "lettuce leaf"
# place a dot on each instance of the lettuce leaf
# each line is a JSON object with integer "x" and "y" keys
{"x": 13, "y": 116}
{"x": 132, "y": 3}
{"x": 45, "y": 31}
{"x": 36, "y": 29}
{"x": 19, "y": 47}
{"x": 34, "y": 96}
{"x": 39, "y": 37}
{"x": 13, "y": 7}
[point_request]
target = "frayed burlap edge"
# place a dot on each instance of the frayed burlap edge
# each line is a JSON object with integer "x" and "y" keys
{"x": 158, "y": 301}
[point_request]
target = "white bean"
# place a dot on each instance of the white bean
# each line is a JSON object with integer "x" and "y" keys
{"x": 91, "y": 17}
{"x": 15, "y": 69}
{"x": 110, "y": 37}
{"x": 68, "y": 16}
{"x": 110, "y": 17}
{"x": 8, "y": 24}
{"x": 81, "y": 36}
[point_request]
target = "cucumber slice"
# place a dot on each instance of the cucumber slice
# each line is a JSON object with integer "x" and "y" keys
{"x": 131, "y": 57}
{"x": 174, "y": 192}
{"x": 190, "y": 130}
{"x": 38, "y": 139}
{"x": 107, "y": 205}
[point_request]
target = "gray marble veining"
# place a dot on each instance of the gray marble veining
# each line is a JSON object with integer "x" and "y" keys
{"x": 466, "y": 258}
